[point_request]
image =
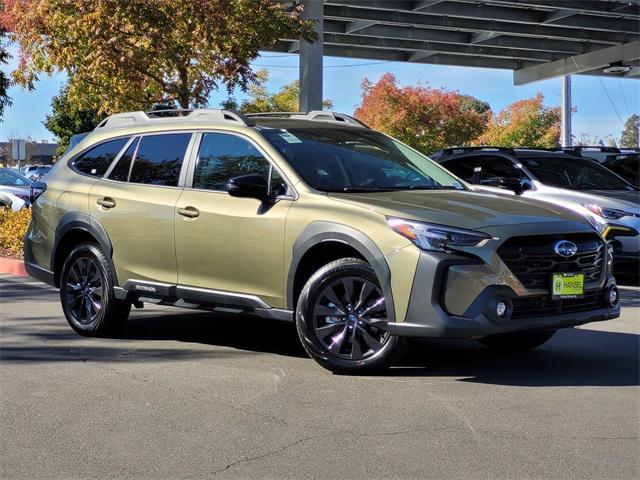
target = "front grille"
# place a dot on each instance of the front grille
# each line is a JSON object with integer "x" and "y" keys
{"x": 544, "y": 306}
{"x": 532, "y": 259}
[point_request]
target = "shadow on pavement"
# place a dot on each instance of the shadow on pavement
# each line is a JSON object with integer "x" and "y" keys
{"x": 573, "y": 357}
{"x": 236, "y": 331}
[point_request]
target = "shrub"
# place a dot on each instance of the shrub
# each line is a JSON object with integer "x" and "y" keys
{"x": 13, "y": 227}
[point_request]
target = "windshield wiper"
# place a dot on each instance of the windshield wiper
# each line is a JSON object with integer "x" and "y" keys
{"x": 427, "y": 187}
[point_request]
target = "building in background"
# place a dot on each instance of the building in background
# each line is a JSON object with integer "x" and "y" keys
{"x": 41, "y": 153}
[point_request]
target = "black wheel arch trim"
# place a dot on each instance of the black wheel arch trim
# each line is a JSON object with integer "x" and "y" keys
{"x": 81, "y": 221}
{"x": 324, "y": 231}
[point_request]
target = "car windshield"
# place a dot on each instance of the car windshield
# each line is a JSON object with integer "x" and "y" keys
{"x": 627, "y": 166}
{"x": 357, "y": 160}
{"x": 13, "y": 179}
{"x": 574, "y": 173}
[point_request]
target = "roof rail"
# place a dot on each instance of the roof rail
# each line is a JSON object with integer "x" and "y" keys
{"x": 565, "y": 150}
{"x": 157, "y": 116}
{"x": 452, "y": 150}
{"x": 315, "y": 115}
{"x": 597, "y": 148}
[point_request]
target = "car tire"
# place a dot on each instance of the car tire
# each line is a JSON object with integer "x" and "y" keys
{"x": 517, "y": 341}
{"x": 87, "y": 293}
{"x": 336, "y": 315}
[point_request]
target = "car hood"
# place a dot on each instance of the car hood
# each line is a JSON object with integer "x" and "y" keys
{"x": 628, "y": 198}
{"x": 625, "y": 200}
{"x": 462, "y": 209}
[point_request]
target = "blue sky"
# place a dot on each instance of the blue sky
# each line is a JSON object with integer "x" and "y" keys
{"x": 603, "y": 104}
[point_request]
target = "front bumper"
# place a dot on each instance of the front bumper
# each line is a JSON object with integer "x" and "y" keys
{"x": 428, "y": 316}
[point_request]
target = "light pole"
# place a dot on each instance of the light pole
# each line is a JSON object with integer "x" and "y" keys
{"x": 565, "y": 138}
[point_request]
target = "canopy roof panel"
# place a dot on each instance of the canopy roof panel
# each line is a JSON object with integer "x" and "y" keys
{"x": 536, "y": 38}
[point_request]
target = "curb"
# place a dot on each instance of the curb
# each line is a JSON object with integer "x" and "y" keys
{"x": 13, "y": 267}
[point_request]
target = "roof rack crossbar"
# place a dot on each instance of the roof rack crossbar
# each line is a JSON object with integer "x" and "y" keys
{"x": 187, "y": 115}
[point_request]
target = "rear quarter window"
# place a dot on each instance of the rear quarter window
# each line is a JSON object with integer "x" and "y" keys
{"x": 97, "y": 160}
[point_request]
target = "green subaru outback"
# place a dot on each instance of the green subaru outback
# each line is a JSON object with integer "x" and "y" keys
{"x": 310, "y": 218}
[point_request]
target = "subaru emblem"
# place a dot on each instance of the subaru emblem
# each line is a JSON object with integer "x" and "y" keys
{"x": 565, "y": 248}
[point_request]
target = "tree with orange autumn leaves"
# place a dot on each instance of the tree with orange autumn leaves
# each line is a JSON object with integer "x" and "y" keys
{"x": 430, "y": 119}
{"x": 425, "y": 118}
{"x": 525, "y": 123}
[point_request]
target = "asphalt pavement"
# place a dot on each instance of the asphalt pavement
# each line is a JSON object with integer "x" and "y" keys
{"x": 185, "y": 394}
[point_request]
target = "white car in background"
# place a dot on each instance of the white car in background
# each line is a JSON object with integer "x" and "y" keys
{"x": 12, "y": 201}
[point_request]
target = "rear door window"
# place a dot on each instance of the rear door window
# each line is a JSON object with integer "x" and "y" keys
{"x": 159, "y": 159}
{"x": 96, "y": 161}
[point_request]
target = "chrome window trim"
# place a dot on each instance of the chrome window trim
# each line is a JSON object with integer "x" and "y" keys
{"x": 120, "y": 155}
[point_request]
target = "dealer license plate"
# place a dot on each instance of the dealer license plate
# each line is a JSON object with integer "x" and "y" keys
{"x": 567, "y": 285}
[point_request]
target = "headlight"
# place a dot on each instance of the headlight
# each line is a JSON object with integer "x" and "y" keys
{"x": 609, "y": 213}
{"x": 437, "y": 238}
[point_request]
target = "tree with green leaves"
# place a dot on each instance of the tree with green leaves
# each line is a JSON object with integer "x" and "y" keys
{"x": 629, "y": 137}
{"x": 261, "y": 100}
{"x": 5, "y": 100}
{"x": 67, "y": 118}
{"x": 130, "y": 54}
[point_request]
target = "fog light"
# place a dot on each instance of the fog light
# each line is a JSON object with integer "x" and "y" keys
{"x": 501, "y": 309}
{"x": 614, "y": 296}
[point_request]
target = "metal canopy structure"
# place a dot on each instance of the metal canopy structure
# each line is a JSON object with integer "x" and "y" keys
{"x": 537, "y": 39}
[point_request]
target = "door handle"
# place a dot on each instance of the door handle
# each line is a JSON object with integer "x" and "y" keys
{"x": 189, "y": 212}
{"x": 106, "y": 202}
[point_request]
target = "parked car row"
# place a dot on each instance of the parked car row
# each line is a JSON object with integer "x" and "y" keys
{"x": 35, "y": 172}
{"x": 561, "y": 177}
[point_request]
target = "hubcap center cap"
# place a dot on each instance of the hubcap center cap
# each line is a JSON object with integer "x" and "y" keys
{"x": 353, "y": 318}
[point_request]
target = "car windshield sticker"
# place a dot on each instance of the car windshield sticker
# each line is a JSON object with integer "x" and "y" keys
{"x": 289, "y": 137}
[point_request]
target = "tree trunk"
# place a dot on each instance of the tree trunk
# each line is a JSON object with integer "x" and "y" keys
{"x": 185, "y": 94}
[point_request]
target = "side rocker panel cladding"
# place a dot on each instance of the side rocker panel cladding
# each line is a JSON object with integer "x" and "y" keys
{"x": 318, "y": 232}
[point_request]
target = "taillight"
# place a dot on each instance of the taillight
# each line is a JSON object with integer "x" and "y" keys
{"x": 37, "y": 189}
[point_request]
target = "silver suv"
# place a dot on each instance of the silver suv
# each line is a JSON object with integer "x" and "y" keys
{"x": 563, "y": 178}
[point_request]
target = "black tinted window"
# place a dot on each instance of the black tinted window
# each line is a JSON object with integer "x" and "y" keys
{"x": 628, "y": 167}
{"x": 462, "y": 167}
{"x": 121, "y": 171}
{"x": 159, "y": 159}
{"x": 574, "y": 173}
{"x": 222, "y": 156}
{"x": 497, "y": 169}
{"x": 97, "y": 160}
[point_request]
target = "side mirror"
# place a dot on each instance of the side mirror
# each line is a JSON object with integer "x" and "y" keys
{"x": 248, "y": 186}
{"x": 518, "y": 186}
{"x": 37, "y": 189}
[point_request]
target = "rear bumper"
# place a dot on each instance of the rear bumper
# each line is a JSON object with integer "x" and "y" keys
{"x": 31, "y": 266}
{"x": 427, "y": 317}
